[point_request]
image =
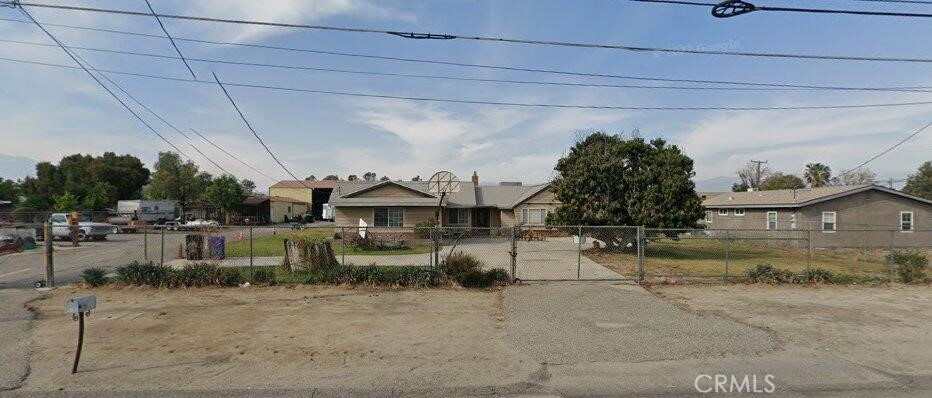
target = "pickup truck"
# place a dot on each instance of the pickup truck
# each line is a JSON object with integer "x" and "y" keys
{"x": 87, "y": 230}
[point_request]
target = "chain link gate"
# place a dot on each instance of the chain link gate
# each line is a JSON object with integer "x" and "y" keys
{"x": 568, "y": 253}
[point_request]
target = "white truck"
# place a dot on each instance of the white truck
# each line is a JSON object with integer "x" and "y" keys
{"x": 87, "y": 230}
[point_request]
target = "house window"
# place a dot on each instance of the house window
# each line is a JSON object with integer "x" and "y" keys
{"x": 828, "y": 221}
{"x": 906, "y": 221}
{"x": 389, "y": 217}
{"x": 534, "y": 216}
{"x": 458, "y": 216}
{"x": 723, "y": 212}
{"x": 739, "y": 212}
{"x": 771, "y": 220}
{"x": 708, "y": 216}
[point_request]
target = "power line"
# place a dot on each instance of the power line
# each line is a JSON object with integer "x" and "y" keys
{"x": 485, "y": 80}
{"x": 885, "y": 151}
{"x": 104, "y": 86}
{"x": 497, "y": 67}
{"x": 154, "y": 113}
{"x": 504, "y": 103}
{"x": 479, "y": 38}
{"x": 248, "y": 125}
{"x": 169, "y": 36}
{"x": 232, "y": 156}
{"x": 730, "y": 8}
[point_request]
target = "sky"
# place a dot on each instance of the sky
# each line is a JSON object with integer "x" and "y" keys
{"x": 52, "y": 112}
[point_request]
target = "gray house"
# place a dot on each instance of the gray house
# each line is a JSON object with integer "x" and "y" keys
{"x": 838, "y": 216}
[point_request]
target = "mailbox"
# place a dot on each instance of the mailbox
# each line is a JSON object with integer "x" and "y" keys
{"x": 81, "y": 305}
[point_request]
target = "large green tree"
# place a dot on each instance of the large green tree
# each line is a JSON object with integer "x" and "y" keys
{"x": 609, "y": 180}
{"x": 80, "y": 174}
{"x": 176, "y": 180}
{"x": 818, "y": 174}
{"x": 226, "y": 194}
{"x": 920, "y": 183}
{"x": 10, "y": 190}
{"x": 779, "y": 180}
{"x": 100, "y": 196}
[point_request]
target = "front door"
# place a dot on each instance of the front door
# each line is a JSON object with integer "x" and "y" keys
{"x": 481, "y": 218}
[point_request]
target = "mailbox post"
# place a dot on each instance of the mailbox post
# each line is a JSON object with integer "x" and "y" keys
{"x": 78, "y": 308}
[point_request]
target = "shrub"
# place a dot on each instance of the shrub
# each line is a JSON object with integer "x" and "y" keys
{"x": 766, "y": 273}
{"x": 94, "y": 276}
{"x": 150, "y": 274}
{"x": 264, "y": 275}
{"x": 466, "y": 269}
{"x": 363, "y": 242}
{"x": 422, "y": 229}
{"x": 231, "y": 277}
{"x": 196, "y": 275}
{"x": 910, "y": 265}
{"x": 818, "y": 275}
{"x": 409, "y": 276}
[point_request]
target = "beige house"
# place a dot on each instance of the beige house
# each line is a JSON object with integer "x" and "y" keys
{"x": 838, "y": 216}
{"x": 404, "y": 204}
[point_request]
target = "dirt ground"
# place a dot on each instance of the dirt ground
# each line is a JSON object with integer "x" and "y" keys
{"x": 286, "y": 337}
{"x": 888, "y": 329}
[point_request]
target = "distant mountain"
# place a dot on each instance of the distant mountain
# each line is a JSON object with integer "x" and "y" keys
{"x": 16, "y": 167}
{"x": 717, "y": 184}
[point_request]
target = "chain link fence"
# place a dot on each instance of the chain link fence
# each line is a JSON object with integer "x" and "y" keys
{"x": 525, "y": 253}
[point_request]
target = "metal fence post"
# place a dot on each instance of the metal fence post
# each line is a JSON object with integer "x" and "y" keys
{"x": 808, "y": 253}
{"x": 514, "y": 252}
{"x": 145, "y": 243}
{"x": 162, "y": 257}
{"x": 579, "y": 254}
{"x": 890, "y": 256}
{"x": 640, "y": 249}
{"x": 49, "y": 257}
{"x": 727, "y": 255}
{"x": 251, "y": 271}
{"x": 343, "y": 246}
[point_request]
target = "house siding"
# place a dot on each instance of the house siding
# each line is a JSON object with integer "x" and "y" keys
{"x": 279, "y": 210}
{"x": 350, "y": 216}
{"x": 542, "y": 200}
{"x": 301, "y": 194}
{"x": 863, "y": 219}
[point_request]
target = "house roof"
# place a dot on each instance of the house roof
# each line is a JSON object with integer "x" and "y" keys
{"x": 259, "y": 199}
{"x": 498, "y": 196}
{"x": 306, "y": 184}
{"x": 794, "y": 197}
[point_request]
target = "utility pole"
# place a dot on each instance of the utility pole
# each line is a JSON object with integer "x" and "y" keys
{"x": 757, "y": 176}
{"x": 890, "y": 182}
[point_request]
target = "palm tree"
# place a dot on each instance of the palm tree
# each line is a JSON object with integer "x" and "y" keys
{"x": 818, "y": 174}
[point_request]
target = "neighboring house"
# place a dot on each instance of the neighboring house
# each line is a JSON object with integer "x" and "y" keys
{"x": 839, "y": 214}
{"x": 404, "y": 204}
{"x": 316, "y": 193}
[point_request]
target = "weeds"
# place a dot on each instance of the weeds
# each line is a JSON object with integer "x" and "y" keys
{"x": 910, "y": 265}
{"x": 94, "y": 276}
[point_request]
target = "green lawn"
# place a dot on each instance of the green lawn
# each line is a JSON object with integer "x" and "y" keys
{"x": 273, "y": 246}
{"x": 706, "y": 258}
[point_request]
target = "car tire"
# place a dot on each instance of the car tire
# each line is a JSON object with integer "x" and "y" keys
{"x": 82, "y": 236}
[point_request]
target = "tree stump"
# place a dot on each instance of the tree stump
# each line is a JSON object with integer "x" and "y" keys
{"x": 317, "y": 254}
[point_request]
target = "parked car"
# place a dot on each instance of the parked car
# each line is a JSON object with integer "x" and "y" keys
{"x": 200, "y": 224}
{"x": 87, "y": 230}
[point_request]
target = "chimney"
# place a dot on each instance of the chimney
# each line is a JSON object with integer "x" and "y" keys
{"x": 475, "y": 179}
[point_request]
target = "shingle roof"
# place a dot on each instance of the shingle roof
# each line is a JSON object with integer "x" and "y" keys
{"x": 387, "y": 201}
{"x": 792, "y": 197}
{"x": 498, "y": 196}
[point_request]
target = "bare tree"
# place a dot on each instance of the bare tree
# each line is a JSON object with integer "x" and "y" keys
{"x": 858, "y": 177}
{"x": 753, "y": 174}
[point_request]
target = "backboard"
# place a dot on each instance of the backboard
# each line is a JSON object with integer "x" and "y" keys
{"x": 443, "y": 182}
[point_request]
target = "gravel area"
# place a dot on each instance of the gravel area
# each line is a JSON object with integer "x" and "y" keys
{"x": 605, "y": 322}
{"x": 15, "y": 321}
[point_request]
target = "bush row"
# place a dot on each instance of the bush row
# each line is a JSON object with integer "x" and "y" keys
{"x": 910, "y": 267}
{"x": 459, "y": 268}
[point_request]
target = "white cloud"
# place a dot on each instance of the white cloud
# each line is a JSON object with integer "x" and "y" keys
{"x": 287, "y": 11}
